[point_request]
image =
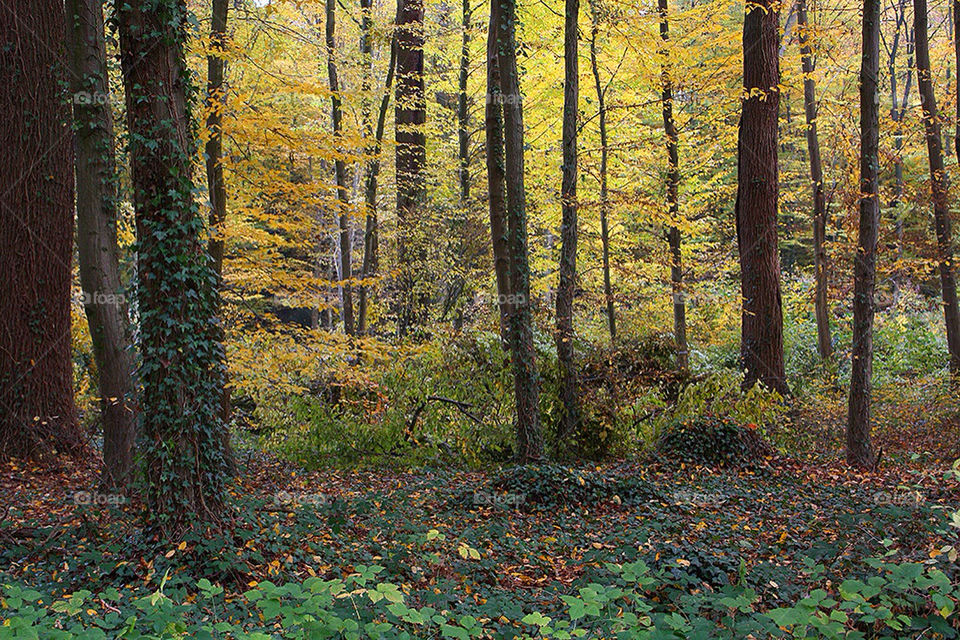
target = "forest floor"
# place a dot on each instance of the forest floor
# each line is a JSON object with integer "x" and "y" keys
{"x": 457, "y": 541}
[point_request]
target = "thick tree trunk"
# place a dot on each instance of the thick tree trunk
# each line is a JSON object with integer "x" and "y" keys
{"x": 37, "y": 415}
{"x": 939, "y": 184}
{"x": 673, "y": 189}
{"x": 604, "y": 191}
{"x": 761, "y": 347}
{"x": 527, "y": 384}
{"x": 463, "y": 120}
{"x": 411, "y": 158}
{"x": 496, "y": 175}
{"x": 371, "y": 183}
{"x": 104, "y": 302}
{"x": 821, "y": 303}
{"x": 340, "y": 169}
{"x": 216, "y": 187}
{"x": 858, "y": 448}
{"x": 569, "y": 395}
{"x": 181, "y": 368}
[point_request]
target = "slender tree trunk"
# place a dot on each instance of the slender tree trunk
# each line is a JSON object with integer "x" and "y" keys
{"x": 340, "y": 168}
{"x": 37, "y": 415}
{"x": 527, "y": 384}
{"x": 411, "y": 158}
{"x": 496, "y": 175}
{"x": 821, "y": 303}
{"x": 939, "y": 184}
{"x": 757, "y": 194}
{"x": 569, "y": 395}
{"x": 216, "y": 187}
{"x": 897, "y": 113}
{"x": 673, "y": 188}
{"x": 604, "y": 192}
{"x": 104, "y": 302}
{"x": 858, "y": 449}
{"x": 371, "y": 183}
{"x": 181, "y": 370}
{"x": 463, "y": 120}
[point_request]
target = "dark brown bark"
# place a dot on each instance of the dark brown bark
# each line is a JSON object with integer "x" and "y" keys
{"x": 340, "y": 168}
{"x": 569, "y": 395}
{"x": 821, "y": 303}
{"x": 761, "y": 346}
{"x": 371, "y": 183}
{"x": 897, "y": 113}
{"x": 104, "y": 301}
{"x": 939, "y": 184}
{"x": 496, "y": 175}
{"x": 463, "y": 120}
{"x": 37, "y": 415}
{"x": 411, "y": 158}
{"x": 181, "y": 371}
{"x": 673, "y": 188}
{"x": 859, "y": 451}
{"x": 526, "y": 382}
{"x": 604, "y": 160}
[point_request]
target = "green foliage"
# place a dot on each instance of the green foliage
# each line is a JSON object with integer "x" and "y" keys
{"x": 713, "y": 441}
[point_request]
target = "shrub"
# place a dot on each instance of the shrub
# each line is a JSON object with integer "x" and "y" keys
{"x": 715, "y": 442}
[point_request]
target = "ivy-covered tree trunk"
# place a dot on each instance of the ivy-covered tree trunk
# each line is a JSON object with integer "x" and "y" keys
{"x": 496, "y": 175}
{"x": 939, "y": 185}
{"x": 526, "y": 382}
{"x": 761, "y": 348}
{"x": 182, "y": 361}
{"x": 821, "y": 303}
{"x": 103, "y": 299}
{"x": 340, "y": 168}
{"x": 859, "y": 451}
{"x": 673, "y": 192}
{"x": 604, "y": 161}
{"x": 37, "y": 415}
{"x": 569, "y": 392}
{"x": 463, "y": 114}
{"x": 411, "y": 158}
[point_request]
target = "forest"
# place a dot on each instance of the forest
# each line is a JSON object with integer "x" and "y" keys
{"x": 518, "y": 319}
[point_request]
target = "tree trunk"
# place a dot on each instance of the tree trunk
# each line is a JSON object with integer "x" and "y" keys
{"x": 496, "y": 175}
{"x": 527, "y": 384}
{"x": 216, "y": 187}
{"x": 756, "y": 207}
{"x": 858, "y": 449}
{"x": 181, "y": 370}
{"x": 103, "y": 299}
{"x": 340, "y": 169}
{"x": 821, "y": 304}
{"x": 37, "y": 415}
{"x": 673, "y": 188}
{"x": 411, "y": 158}
{"x": 604, "y": 192}
{"x": 897, "y": 113}
{"x": 463, "y": 121}
{"x": 939, "y": 184}
{"x": 569, "y": 396}
{"x": 370, "y": 245}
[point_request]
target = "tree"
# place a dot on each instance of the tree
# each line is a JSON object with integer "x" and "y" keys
{"x": 604, "y": 162}
{"x": 103, "y": 299}
{"x": 821, "y": 305}
{"x": 181, "y": 369}
{"x": 898, "y": 111}
{"x": 673, "y": 187}
{"x": 939, "y": 184}
{"x": 859, "y": 451}
{"x": 463, "y": 119}
{"x": 340, "y": 168}
{"x": 526, "y": 382}
{"x": 761, "y": 346}
{"x": 496, "y": 174}
{"x": 411, "y": 158}
{"x": 37, "y": 415}
{"x": 569, "y": 394}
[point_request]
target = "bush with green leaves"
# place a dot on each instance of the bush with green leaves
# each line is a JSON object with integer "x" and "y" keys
{"x": 715, "y": 442}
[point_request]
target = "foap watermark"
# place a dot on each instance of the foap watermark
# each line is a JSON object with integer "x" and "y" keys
{"x": 504, "y": 98}
{"x": 100, "y": 298}
{"x": 92, "y": 98}
{"x": 899, "y": 497}
{"x": 508, "y": 499}
{"x": 501, "y": 299}
{"x": 95, "y": 498}
{"x": 287, "y": 498}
